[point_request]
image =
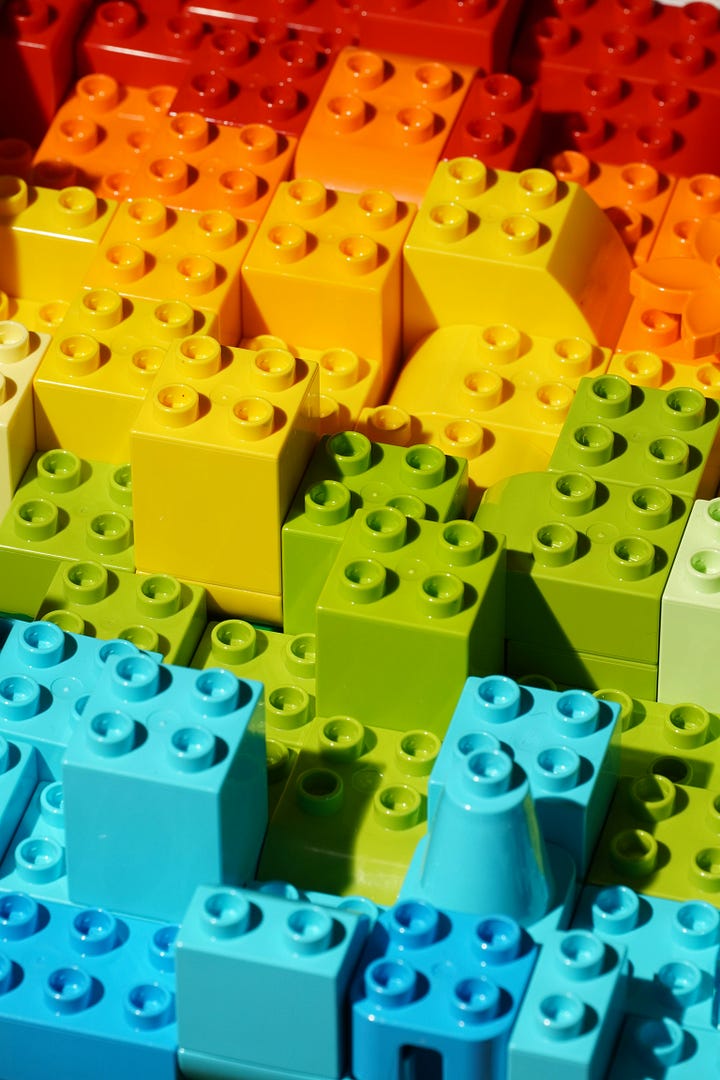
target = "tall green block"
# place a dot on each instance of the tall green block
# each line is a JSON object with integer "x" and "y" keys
{"x": 348, "y": 472}
{"x": 64, "y": 508}
{"x": 409, "y": 610}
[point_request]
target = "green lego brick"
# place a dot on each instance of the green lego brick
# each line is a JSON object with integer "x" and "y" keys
{"x": 154, "y": 611}
{"x": 662, "y": 839}
{"x": 638, "y": 435}
{"x": 351, "y": 809}
{"x": 585, "y": 671}
{"x": 64, "y": 508}
{"x": 347, "y": 472}
{"x": 408, "y": 611}
{"x": 587, "y": 561}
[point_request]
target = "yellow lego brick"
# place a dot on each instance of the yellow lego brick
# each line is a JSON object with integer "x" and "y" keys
{"x": 492, "y": 453}
{"x": 325, "y": 268}
{"x": 20, "y": 354}
{"x": 646, "y": 368}
{"x": 154, "y": 252}
{"x": 348, "y": 383}
{"x": 498, "y": 375}
{"x": 37, "y": 316}
{"x": 48, "y": 237}
{"x": 518, "y": 248}
{"x": 218, "y": 449}
{"x": 99, "y": 367}
{"x": 224, "y": 602}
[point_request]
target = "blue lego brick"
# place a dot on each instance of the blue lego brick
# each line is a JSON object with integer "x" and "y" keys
{"x": 572, "y": 1010}
{"x": 437, "y": 994}
{"x": 35, "y": 859}
{"x": 661, "y": 1049}
{"x": 197, "y": 1066}
{"x": 673, "y": 949}
{"x": 84, "y": 994}
{"x": 164, "y": 776}
{"x": 567, "y": 743}
{"x": 280, "y": 958}
{"x": 18, "y": 777}
{"x": 45, "y": 675}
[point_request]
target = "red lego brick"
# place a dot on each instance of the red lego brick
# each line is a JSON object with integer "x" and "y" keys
{"x": 275, "y": 16}
{"x": 498, "y": 122}
{"x": 36, "y": 62}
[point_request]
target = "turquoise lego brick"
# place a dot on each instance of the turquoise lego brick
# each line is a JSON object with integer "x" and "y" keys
{"x": 18, "y": 777}
{"x": 437, "y": 994}
{"x": 279, "y": 958}
{"x": 35, "y": 858}
{"x": 348, "y": 472}
{"x": 84, "y": 993}
{"x": 673, "y": 950}
{"x": 572, "y": 1010}
{"x": 45, "y": 676}
{"x": 163, "y": 756}
{"x": 198, "y": 1066}
{"x": 588, "y": 561}
{"x": 567, "y": 743}
{"x": 64, "y": 508}
{"x": 408, "y": 611}
{"x": 642, "y": 435}
{"x": 156, "y": 612}
{"x": 663, "y": 1050}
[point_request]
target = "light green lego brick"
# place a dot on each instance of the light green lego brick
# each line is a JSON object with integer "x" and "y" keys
{"x": 347, "y": 472}
{"x": 585, "y": 671}
{"x": 64, "y": 508}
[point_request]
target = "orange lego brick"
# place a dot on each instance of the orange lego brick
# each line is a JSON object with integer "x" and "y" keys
{"x": 217, "y": 450}
{"x": 635, "y": 197}
{"x": 157, "y": 253}
{"x": 693, "y": 199}
{"x": 99, "y": 366}
{"x": 518, "y": 248}
{"x": 382, "y": 121}
{"x": 325, "y": 269}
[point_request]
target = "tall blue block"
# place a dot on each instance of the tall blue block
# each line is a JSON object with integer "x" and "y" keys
{"x": 437, "y": 994}
{"x": 84, "y": 995}
{"x": 165, "y": 786}
{"x": 567, "y": 743}
{"x": 262, "y": 983}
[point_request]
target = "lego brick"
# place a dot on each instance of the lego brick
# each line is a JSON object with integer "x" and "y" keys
{"x": 662, "y": 1048}
{"x": 64, "y": 508}
{"x": 39, "y": 317}
{"x": 325, "y": 268}
{"x": 199, "y": 1066}
{"x": 238, "y": 78}
{"x": 45, "y": 676}
{"x": 643, "y": 367}
{"x": 572, "y": 1011}
{"x": 272, "y": 18}
{"x": 34, "y": 862}
{"x": 690, "y": 613}
{"x": 221, "y": 421}
{"x": 672, "y": 949}
{"x": 694, "y": 199}
{"x": 100, "y": 365}
{"x": 351, "y": 805}
{"x": 498, "y": 122}
{"x": 157, "y": 253}
{"x": 484, "y": 237}
{"x": 405, "y": 600}
{"x": 438, "y": 992}
{"x": 277, "y": 954}
{"x": 225, "y": 602}
{"x": 566, "y": 743}
{"x": 20, "y": 353}
{"x": 348, "y": 472}
{"x": 89, "y": 991}
{"x": 587, "y": 670}
{"x": 576, "y": 545}
{"x": 157, "y": 613}
{"x": 632, "y": 434}
{"x": 48, "y": 237}
{"x": 498, "y": 374}
{"x": 381, "y": 121}
{"x": 660, "y": 838}
{"x": 161, "y": 752}
{"x": 18, "y": 777}
{"x": 635, "y": 197}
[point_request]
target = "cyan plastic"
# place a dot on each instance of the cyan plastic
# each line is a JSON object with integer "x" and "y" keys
{"x": 84, "y": 994}
{"x": 248, "y": 961}
{"x": 437, "y": 994}
{"x": 567, "y": 744}
{"x": 165, "y": 785}
{"x": 663, "y": 1050}
{"x": 35, "y": 859}
{"x": 18, "y": 777}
